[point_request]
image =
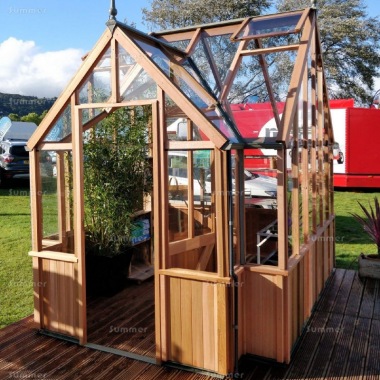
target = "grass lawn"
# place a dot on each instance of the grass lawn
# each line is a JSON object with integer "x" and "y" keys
{"x": 16, "y": 284}
{"x": 351, "y": 240}
{"x": 16, "y": 280}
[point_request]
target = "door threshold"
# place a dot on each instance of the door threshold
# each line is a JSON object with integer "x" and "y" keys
{"x": 110, "y": 350}
{"x": 56, "y": 335}
{"x": 127, "y": 354}
{"x": 197, "y": 370}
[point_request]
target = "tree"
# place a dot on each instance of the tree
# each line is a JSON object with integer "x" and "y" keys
{"x": 14, "y": 117}
{"x": 168, "y": 14}
{"x": 351, "y": 45}
{"x": 31, "y": 117}
{"x": 43, "y": 115}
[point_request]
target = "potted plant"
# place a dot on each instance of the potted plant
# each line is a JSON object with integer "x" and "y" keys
{"x": 117, "y": 175}
{"x": 369, "y": 265}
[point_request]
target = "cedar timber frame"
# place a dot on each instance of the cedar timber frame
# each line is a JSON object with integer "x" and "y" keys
{"x": 211, "y": 305}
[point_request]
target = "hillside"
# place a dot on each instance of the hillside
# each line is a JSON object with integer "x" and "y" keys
{"x": 23, "y": 105}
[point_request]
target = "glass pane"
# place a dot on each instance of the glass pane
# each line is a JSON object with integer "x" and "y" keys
{"x": 177, "y": 130}
{"x": 192, "y": 173}
{"x": 181, "y": 45}
{"x": 203, "y": 188}
{"x": 260, "y": 188}
{"x": 134, "y": 82}
{"x": 273, "y": 25}
{"x": 275, "y": 41}
{"x": 250, "y": 83}
{"x": 178, "y": 196}
{"x": 222, "y": 124}
{"x": 156, "y": 55}
{"x": 177, "y": 124}
{"x": 62, "y": 127}
{"x": 49, "y": 196}
{"x": 57, "y": 200}
{"x": 89, "y": 113}
{"x": 201, "y": 60}
{"x": 126, "y": 64}
{"x": 189, "y": 84}
{"x": 142, "y": 87}
{"x": 222, "y": 52}
{"x": 97, "y": 87}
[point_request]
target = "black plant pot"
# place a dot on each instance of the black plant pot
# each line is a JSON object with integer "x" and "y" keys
{"x": 105, "y": 275}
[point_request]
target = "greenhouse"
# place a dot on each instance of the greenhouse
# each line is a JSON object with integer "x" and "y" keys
{"x": 231, "y": 229}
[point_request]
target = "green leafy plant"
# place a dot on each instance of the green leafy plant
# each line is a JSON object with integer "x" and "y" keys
{"x": 371, "y": 222}
{"x": 117, "y": 175}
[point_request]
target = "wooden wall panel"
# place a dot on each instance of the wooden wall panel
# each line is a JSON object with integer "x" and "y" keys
{"x": 198, "y": 350}
{"x": 187, "y": 316}
{"x": 198, "y": 324}
{"x": 299, "y": 301}
{"x": 261, "y": 316}
{"x": 241, "y": 307}
{"x": 208, "y": 316}
{"x": 175, "y": 319}
{"x": 295, "y": 304}
{"x": 60, "y": 310}
{"x": 319, "y": 266}
{"x": 277, "y": 306}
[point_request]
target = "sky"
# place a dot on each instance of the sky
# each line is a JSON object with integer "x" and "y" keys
{"x": 42, "y": 41}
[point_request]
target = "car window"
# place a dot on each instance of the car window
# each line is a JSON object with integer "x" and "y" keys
{"x": 19, "y": 150}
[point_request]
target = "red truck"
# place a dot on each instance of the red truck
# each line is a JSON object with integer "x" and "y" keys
{"x": 356, "y": 130}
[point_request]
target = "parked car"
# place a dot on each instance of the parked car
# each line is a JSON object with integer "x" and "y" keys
{"x": 14, "y": 160}
{"x": 255, "y": 185}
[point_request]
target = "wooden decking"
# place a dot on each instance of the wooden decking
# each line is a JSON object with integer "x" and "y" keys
{"x": 341, "y": 341}
{"x": 124, "y": 321}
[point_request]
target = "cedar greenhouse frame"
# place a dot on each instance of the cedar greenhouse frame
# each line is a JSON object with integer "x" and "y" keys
{"x": 215, "y": 300}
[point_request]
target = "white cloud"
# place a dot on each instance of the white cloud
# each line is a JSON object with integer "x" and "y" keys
{"x": 27, "y": 71}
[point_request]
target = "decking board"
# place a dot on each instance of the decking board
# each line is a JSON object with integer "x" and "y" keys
{"x": 359, "y": 346}
{"x": 341, "y": 340}
{"x": 325, "y": 347}
{"x": 310, "y": 342}
{"x": 368, "y": 299}
{"x": 329, "y": 295}
{"x": 355, "y": 298}
{"x": 372, "y": 368}
{"x": 344, "y": 292}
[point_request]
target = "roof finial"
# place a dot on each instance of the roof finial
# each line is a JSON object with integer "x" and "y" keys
{"x": 113, "y": 10}
{"x": 314, "y": 4}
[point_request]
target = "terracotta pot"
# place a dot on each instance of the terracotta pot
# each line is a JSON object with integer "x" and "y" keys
{"x": 369, "y": 266}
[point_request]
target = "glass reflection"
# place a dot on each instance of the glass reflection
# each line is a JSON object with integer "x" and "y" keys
{"x": 62, "y": 127}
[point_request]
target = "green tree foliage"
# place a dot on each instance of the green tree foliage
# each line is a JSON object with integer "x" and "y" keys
{"x": 14, "y": 117}
{"x": 43, "y": 115}
{"x": 351, "y": 45}
{"x": 117, "y": 174}
{"x": 168, "y": 14}
{"x": 31, "y": 117}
